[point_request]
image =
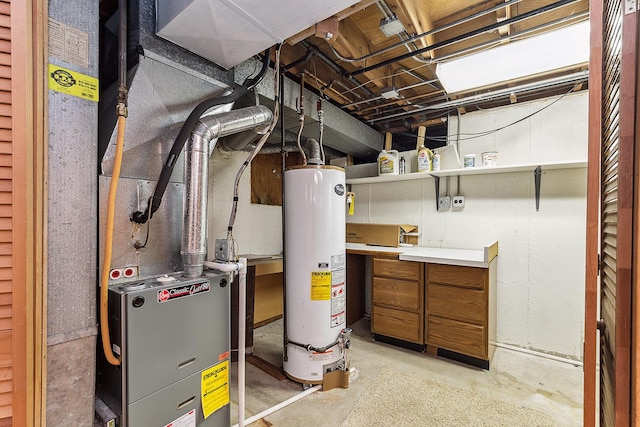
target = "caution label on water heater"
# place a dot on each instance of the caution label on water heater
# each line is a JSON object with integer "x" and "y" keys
{"x": 320, "y": 285}
{"x": 338, "y": 298}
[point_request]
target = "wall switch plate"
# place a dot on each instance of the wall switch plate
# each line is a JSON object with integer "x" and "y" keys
{"x": 444, "y": 203}
{"x": 458, "y": 202}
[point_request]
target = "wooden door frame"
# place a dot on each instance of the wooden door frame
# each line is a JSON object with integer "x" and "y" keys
{"x": 593, "y": 216}
{"x": 28, "y": 41}
{"x": 628, "y": 209}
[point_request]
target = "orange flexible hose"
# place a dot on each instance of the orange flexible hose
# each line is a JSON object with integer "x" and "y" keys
{"x": 108, "y": 247}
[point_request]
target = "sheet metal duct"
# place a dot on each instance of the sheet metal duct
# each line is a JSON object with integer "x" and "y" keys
{"x": 228, "y": 32}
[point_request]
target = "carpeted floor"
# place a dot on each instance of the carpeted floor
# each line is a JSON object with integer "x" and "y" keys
{"x": 397, "y": 399}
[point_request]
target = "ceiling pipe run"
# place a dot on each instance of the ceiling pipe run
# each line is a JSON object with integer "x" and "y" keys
{"x": 569, "y": 20}
{"x": 426, "y": 33}
{"x": 399, "y": 89}
{"x": 578, "y": 77}
{"x": 336, "y": 68}
{"x": 462, "y": 37}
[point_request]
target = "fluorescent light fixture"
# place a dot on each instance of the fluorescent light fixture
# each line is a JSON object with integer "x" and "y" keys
{"x": 553, "y": 50}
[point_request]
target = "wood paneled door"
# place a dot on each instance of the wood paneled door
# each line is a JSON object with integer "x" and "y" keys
{"x": 612, "y": 217}
{"x": 22, "y": 290}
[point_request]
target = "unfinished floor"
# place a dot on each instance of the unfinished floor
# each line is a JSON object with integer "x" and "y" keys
{"x": 551, "y": 387}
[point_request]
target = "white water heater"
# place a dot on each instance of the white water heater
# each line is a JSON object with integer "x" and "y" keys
{"x": 316, "y": 337}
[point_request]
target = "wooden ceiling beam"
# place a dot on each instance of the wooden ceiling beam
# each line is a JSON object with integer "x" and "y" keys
{"x": 416, "y": 19}
{"x": 343, "y": 14}
{"x": 415, "y": 125}
{"x": 501, "y": 15}
{"x": 409, "y": 99}
{"x": 351, "y": 42}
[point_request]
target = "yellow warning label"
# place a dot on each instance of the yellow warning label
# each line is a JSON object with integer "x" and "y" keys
{"x": 215, "y": 388}
{"x": 320, "y": 285}
{"x": 73, "y": 83}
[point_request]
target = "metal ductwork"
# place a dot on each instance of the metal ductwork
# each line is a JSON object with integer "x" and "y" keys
{"x": 196, "y": 176}
{"x": 315, "y": 152}
{"x": 229, "y": 32}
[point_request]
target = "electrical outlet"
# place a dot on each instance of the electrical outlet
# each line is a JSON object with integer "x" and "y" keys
{"x": 444, "y": 203}
{"x": 458, "y": 202}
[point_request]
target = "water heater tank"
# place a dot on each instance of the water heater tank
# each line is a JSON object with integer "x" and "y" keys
{"x": 315, "y": 272}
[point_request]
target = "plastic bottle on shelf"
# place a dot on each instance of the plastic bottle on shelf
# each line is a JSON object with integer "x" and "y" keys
{"x": 388, "y": 162}
{"x": 424, "y": 159}
{"x": 402, "y": 165}
{"x": 435, "y": 163}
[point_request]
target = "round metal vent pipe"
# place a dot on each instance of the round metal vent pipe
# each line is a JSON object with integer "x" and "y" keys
{"x": 196, "y": 176}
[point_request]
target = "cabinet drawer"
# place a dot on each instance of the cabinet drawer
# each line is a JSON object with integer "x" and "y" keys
{"x": 467, "y": 305}
{"x": 398, "y": 324}
{"x": 457, "y": 336}
{"x": 397, "y": 269}
{"x": 397, "y": 293}
{"x": 467, "y": 277}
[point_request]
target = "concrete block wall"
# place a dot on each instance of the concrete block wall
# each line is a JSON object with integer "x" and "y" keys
{"x": 541, "y": 253}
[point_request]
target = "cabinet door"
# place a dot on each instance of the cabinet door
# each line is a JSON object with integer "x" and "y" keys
{"x": 401, "y": 294}
{"x": 457, "y": 303}
{"x": 387, "y": 267}
{"x": 398, "y": 324}
{"x": 466, "y": 277}
{"x": 461, "y": 337}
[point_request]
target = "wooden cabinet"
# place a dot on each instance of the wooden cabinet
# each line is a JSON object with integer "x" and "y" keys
{"x": 460, "y": 309}
{"x": 397, "y": 299}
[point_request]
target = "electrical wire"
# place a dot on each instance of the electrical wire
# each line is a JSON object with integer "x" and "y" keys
{"x": 256, "y": 150}
{"x": 475, "y": 135}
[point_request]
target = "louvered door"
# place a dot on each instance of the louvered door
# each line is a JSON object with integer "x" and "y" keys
{"x": 612, "y": 138}
{"x": 6, "y": 212}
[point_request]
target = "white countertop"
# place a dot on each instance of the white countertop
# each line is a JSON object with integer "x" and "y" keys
{"x": 452, "y": 256}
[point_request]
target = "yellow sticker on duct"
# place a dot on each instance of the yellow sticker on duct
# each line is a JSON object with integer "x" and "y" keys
{"x": 215, "y": 388}
{"x": 320, "y": 285}
{"x": 73, "y": 83}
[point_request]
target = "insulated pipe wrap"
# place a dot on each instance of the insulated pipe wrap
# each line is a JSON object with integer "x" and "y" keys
{"x": 194, "y": 226}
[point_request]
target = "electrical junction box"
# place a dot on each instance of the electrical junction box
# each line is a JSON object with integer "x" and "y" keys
{"x": 391, "y": 26}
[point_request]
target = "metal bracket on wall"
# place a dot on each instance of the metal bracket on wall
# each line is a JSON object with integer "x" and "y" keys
{"x": 436, "y": 180}
{"x": 537, "y": 175}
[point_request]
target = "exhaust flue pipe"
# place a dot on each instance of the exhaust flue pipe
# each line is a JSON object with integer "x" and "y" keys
{"x": 196, "y": 176}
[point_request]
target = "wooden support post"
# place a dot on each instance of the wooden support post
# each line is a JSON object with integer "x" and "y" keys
{"x": 422, "y": 131}
{"x": 387, "y": 141}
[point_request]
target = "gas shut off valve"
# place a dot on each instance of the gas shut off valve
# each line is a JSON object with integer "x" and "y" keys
{"x": 344, "y": 339}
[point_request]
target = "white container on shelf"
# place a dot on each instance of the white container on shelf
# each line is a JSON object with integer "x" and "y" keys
{"x": 388, "y": 162}
{"x": 489, "y": 158}
{"x": 469, "y": 160}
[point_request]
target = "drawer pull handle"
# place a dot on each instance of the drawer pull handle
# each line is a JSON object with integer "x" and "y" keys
{"x": 186, "y": 363}
{"x": 186, "y": 402}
